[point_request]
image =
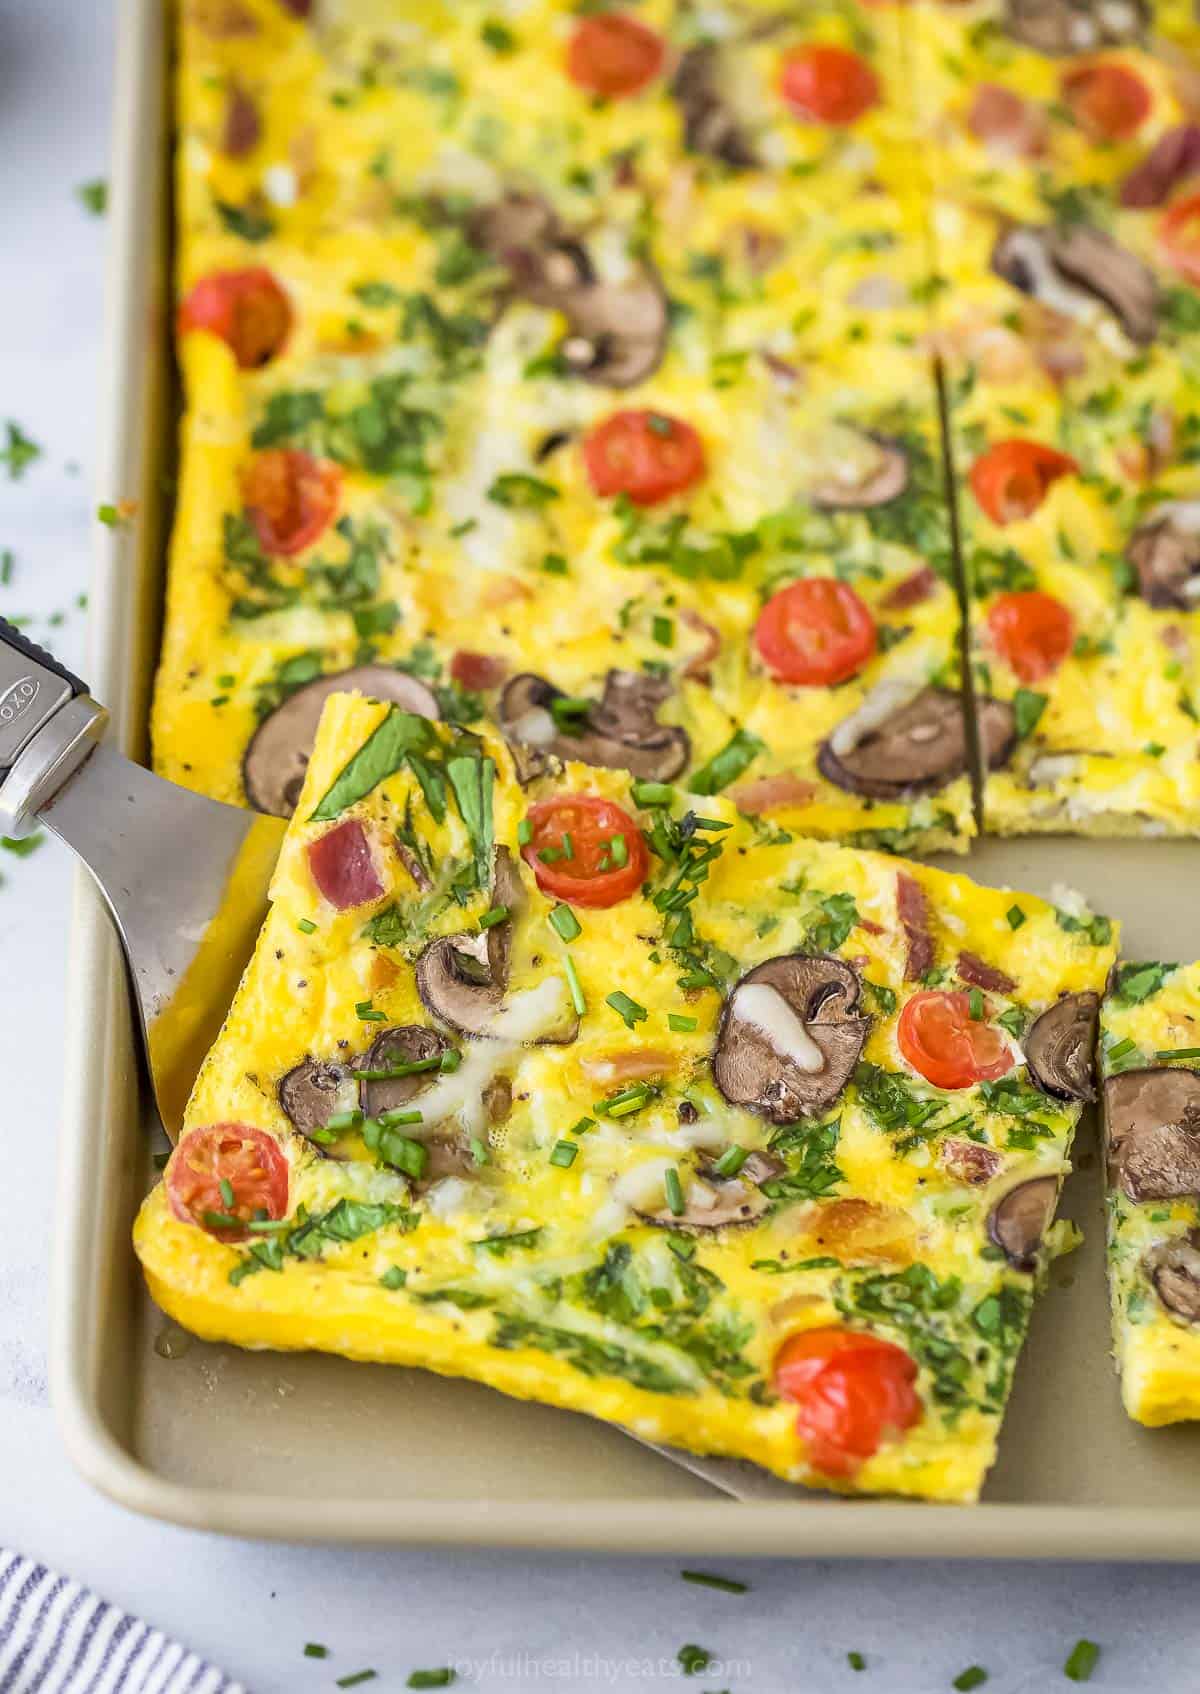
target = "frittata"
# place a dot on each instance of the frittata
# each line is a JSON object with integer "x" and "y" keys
{"x": 1150, "y": 1045}
{"x": 607, "y": 1096}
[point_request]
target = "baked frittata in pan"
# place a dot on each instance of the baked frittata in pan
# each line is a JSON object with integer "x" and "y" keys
{"x": 1150, "y": 1046}
{"x": 609, "y": 1097}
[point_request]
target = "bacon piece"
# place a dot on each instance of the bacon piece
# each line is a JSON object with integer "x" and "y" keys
{"x": 773, "y": 793}
{"x": 478, "y": 670}
{"x": 343, "y": 866}
{"x": 972, "y": 969}
{"x": 697, "y": 665}
{"x": 632, "y": 1065}
{"x": 786, "y": 372}
{"x": 242, "y": 126}
{"x": 969, "y": 1161}
{"x": 221, "y": 20}
{"x": 1008, "y": 126}
{"x": 1174, "y": 157}
{"x": 912, "y": 907}
{"x": 910, "y": 590}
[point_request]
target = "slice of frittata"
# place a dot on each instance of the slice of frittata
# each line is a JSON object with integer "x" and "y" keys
{"x": 1150, "y": 1058}
{"x": 598, "y": 1093}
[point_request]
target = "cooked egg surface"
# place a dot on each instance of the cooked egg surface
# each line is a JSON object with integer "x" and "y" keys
{"x": 1150, "y": 1048}
{"x": 606, "y": 1170}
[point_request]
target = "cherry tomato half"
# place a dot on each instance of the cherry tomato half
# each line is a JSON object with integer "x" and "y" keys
{"x": 1110, "y": 101}
{"x": 1179, "y": 233}
{"x": 1032, "y": 631}
{"x": 815, "y": 632}
{"x": 939, "y": 1038}
{"x": 585, "y": 850}
{"x": 853, "y": 1391}
{"x": 290, "y": 497}
{"x": 247, "y": 309}
{"x": 227, "y": 1170}
{"x": 1010, "y": 480}
{"x": 612, "y": 54}
{"x": 828, "y": 84}
{"x": 646, "y": 455}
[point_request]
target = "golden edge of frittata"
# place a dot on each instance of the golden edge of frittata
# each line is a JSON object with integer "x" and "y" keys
{"x": 885, "y": 1207}
{"x": 1151, "y": 1019}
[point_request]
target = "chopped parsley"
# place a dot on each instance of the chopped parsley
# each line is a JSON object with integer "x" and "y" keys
{"x": 856, "y": 1661}
{"x": 521, "y": 492}
{"x": 1134, "y": 982}
{"x": 1028, "y": 707}
{"x": 736, "y": 757}
{"x": 93, "y": 196}
{"x": 693, "y": 1659}
{"x": 19, "y": 452}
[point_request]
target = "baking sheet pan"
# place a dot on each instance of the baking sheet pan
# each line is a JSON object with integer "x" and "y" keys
{"x": 315, "y": 1448}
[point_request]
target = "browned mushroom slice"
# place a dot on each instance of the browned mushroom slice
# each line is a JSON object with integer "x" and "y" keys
{"x": 1174, "y": 1269}
{"x": 1060, "y": 1048}
{"x": 713, "y": 1203}
{"x": 277, "y": 757}
{"x": 1152, "y": 1127}
{"x": 403, "y": 1045}
{"x": 1164, "y": 550}
{"x": 790, "y": 1035}
{"x": 1018, "y": 1221}
{"x": 311, "y": 1093}
{"x": 620, "y": 732}
{"x": 712, "y": 125}
{"x": 1075, "y": 26}
{"x": 1072, "y": 269}
{"x": 877, "y": 480}
{"x": 617, "y": 331}
{"x": 513, "y": 227}
{"x": 916, "y": 748}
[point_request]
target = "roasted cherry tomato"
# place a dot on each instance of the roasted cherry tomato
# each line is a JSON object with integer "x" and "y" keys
{"x": 646, "y": 455}
{"x": 1110, "y": 101}
{"x": 343, "y": 866}
{"x": 815, "y": 632}
{"x": 939, "y": 1038}
{"x": 247, "y": 309}
{"x": 1010, "y": 480}
{"x": 227, "y": 1170}
{"x": 853, "y": 1391}
{"x": 1179, "y": 233}
{"x": 1032, "y": 630}
{"x": 613, "y": 54}
{"x": 585, "y": 850}
{"x": 828, "y": 84}
{"x": 291, "y": 498}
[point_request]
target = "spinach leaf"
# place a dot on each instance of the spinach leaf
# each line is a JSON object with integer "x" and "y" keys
{"x": 737, "y": 755}
{"x": 470, "y": 777}
{"x": 383, "y": 753}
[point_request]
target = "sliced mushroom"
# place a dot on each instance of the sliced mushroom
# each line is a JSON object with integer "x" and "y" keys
{"x": 1152, "y": 1126}
{"x": 711, "y": 1206}
{"x": 857, "y": 486}
{"x": 1164, "y": 550}
{"x": 1074, "y": 268}
{"x": 790, "y": 1035}
{"x": 1017, "y": 1222}
{"x": 276, "y": 759}
{"x": 621, "y": 732}
{"x": 404, "y": 1044}
{"x": 311, "y": 1093}
{"x": 712, "y": 124}
{"x": 919, "y": 747}
{"x": 1075, "y": 26}
{"x": 1060, "y": 1048}
{"x": 1174, "y": 1269}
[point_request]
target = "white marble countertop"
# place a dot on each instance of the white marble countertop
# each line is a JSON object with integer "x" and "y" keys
{"x": 518, "y": 1621}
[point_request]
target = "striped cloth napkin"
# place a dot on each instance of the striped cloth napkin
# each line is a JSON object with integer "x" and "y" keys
{"x": 59, "y": 1638}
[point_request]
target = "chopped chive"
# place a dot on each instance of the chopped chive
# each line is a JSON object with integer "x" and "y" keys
{"x": 856, "y": 1661}
{"x": 365, "y": 1010}
{"x": 663, "y": 630}
{"x": 21, "y": 847}
{"x": 524, "y": 833}
{"x": 626, "y": 1009}
{"x": 567, "y": 708}
{"x": 566, "y": 924}
{"x": 693, "y": 1659}
{"x": 713, "y": 824}
{"x": 1081, "y": 1661}
{"x": 394, "y": 1277}
{"x": 442, "y": 1677}
{"x": 619, "y": 850}
{"x": 682, "y": 1247}
{"x": 582, "y": 1127}
{"x": 345, "y": 1120}
{"x": 554, "y": 564}
{"x": 495, "y": 915}
{"x": 674, "y": 1191}
{"x": 406, "y": 1067}
{"x": 1121, "y": 1048}
{"x": 355, "y": 1677}
{"x": 975, "y": 1005}
{"x": 1016, "y": 917}
{"x": 227, "y": 1194}
{"x": 624, "y": 1101}
{"x": 223, "y": 1220}
{"x": 731, "y": 1161}
{"x": 306, "y": 926}
{"x": 393, "y": 1119}
{"x": 678, "y": 1022}
{"x": 450, "y": 1060}
{"x": 972, "y": 1677}
{"x": 568, "y": 846}
{"x": 574, "y": 984}
{"x": 653, "y": 793}
{"x": 550, "y": 855}
{"x": 563, "y": 1154}
{"x": 315, "y": 1650}
{"x": 323, "y": 1137}
{"x": 479, "y": 1152}
{"x": 1175, "y": 1053}
{"x": 705, "y": 1579}
{"x": 7, "y": 561}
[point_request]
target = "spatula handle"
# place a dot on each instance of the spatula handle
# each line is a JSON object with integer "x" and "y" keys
{"x": 33, "y": 687}
{"x": 48, "y": 726}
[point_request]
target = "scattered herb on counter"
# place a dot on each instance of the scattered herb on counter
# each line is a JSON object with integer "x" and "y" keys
{"x": 973, "y": 1677}
{"x": 441, "y": 1677}
{"x": 706, "y": 1579}
{"x": 315, "y": 1650}
{"x": 693, "y": 1659}
{"x": 93, "y": 196}
{"x": 21, "y": 847}
{"x": 855, "y": 1660}
{"x": 355, "y": 1677}
{"x": 19, "y": 453}
{"x": 1081, "y": 1661}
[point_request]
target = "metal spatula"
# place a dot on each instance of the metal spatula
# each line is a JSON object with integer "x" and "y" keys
{"x": 185, "y": 879}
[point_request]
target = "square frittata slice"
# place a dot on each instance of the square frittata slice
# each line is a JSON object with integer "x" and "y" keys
{"x": 620, "y": 379}
{"x": 1069, "y": 323}
{"x": 1150, "y": 1060}
{"x": 601, "y": 1094}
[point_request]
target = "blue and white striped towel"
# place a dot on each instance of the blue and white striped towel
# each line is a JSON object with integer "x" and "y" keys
{"x": 58, "y": 1638}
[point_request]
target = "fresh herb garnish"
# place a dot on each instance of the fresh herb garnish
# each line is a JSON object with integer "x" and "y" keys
{"x": 706, "y": 1579}
{"x": 693, "y": 1659}
{"x": 93, "y": 196}
{"x": 19, "y": 453}
{"x": 737, "y": 755}
{"x": 1081, "y": 1661}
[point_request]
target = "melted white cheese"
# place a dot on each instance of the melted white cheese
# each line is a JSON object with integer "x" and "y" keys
{"x": 524, "y": 1017}
{"x": 889, "y": 696}
{"x": 765, "y": 1009}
